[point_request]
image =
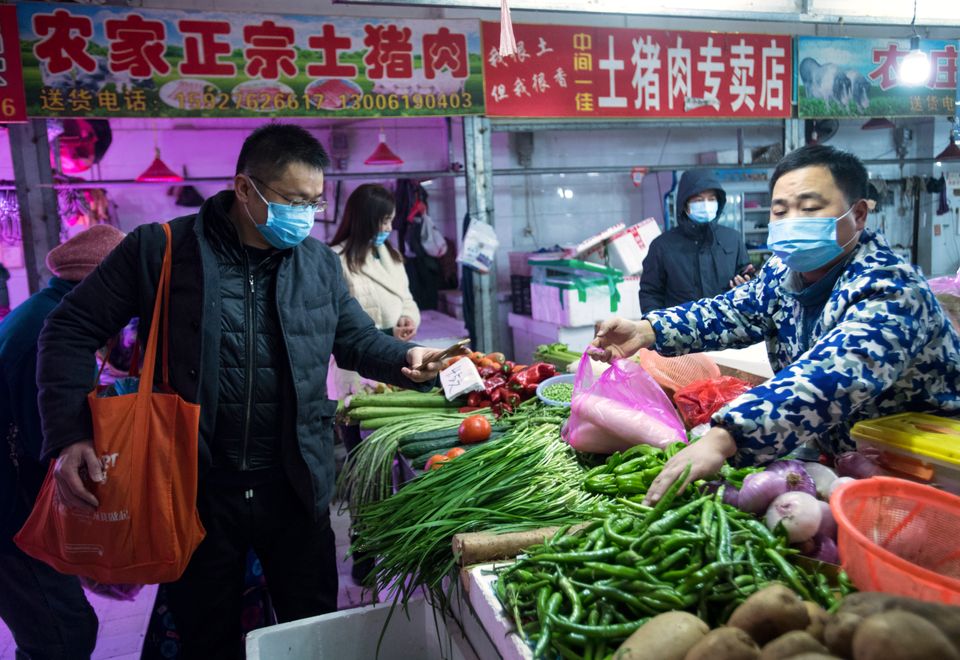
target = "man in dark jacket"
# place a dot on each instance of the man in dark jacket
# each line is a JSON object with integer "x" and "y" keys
{"x": 698, "y": 258}
{"x": 46, "y": 611}
{"x": 257, "y": 308}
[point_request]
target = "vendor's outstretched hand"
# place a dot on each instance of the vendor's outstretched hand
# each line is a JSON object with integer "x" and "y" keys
{"x": 620, "y": 338}
{"x": 705, "y": 457}
{"x": 424, "y": 364}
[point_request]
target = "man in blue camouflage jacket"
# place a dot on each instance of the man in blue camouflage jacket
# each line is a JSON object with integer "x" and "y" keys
{"x": 852, "y": 330}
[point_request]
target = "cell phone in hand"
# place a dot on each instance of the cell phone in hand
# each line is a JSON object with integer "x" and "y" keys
{"x": 449, "y": 352}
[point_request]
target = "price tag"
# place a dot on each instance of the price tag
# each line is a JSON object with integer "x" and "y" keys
{"x": 460, "y": 378}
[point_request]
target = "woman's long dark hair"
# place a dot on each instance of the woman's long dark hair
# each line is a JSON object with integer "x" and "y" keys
{"x": 363, "y": 214}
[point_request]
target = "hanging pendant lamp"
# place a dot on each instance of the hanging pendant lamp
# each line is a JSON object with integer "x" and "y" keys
{"x": 158, "y": 171}
{"x": 877, "y": 123}
{"x": 383, "y": 155}
{"x": 952, "y": 152}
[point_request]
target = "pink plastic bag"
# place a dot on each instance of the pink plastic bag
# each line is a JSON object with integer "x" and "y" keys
{"x": 622, "y": 407}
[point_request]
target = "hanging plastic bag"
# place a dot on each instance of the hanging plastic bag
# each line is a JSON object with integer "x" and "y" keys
{"x": 431, "y": 239}
{"x": 622, "y": 407}
{"x": 479, "y": 247}
{"x": 699, "y": 400}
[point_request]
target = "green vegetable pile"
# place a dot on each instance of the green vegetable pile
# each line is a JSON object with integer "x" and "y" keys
{"x": 559, "y": 392}
{"x": 631, "y": 472}
{"x": 367, "y": 475}
{"x": 587, "y": 590}
{"x": 526, "y": 479}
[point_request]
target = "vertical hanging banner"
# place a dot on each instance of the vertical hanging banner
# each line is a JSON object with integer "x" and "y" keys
{"x": 13, "y": 106}
{"x": 592, "y": 72}
{"x": 83, "y": 60}
{"x": 838, "y": 77}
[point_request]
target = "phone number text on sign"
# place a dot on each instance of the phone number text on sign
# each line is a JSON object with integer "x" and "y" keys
{"x": 265, "y": 102}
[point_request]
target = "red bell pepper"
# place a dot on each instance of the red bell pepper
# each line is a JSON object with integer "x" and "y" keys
{"x": 525, "y": 382}
{"x": 493, "y": 382}
{"x": 477, "y": 400}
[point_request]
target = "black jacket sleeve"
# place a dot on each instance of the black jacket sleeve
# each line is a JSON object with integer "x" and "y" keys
{"x": 360, "y": 346}
{"x": 653, "y": 280}
{"x": 86, "y": 318}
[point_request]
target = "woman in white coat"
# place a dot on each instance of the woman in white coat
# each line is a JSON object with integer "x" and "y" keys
{"x": 374, "y": 272}
{"x": 376, "y": 277}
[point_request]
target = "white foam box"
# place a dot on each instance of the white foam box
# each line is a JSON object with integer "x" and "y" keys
{"x": 555, "y": 303}
{"x": 629, "y": 248}
{"x": 419, "y": 632}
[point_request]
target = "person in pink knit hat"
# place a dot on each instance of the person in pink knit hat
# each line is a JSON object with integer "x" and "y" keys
{"x": 47, "y": 612}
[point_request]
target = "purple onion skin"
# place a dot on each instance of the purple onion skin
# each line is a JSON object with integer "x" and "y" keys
{"x": 828, "y": 526}
{"x": 857, "y": 465}
{"x": 731, "y": 496}
{"x": 759, "y": 490}
{"x": 827, "y": 551}
{"x": 798, "y": 479}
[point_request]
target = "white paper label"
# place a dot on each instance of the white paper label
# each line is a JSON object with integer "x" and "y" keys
{"x": 460, "y": 378}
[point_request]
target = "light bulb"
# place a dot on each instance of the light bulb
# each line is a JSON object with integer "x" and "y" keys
{"x": 915, "y": 68}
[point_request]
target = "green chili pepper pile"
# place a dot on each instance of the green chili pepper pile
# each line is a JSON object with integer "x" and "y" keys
{"x": 631, "y": 472}
{"x": 583, "y": 592}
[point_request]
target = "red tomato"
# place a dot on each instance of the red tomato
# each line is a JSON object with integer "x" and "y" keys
{"x": 474, "y": 429}
{"x": 456, "y": 451}
{"x": 434, "y": 459}
{"x": 438, "y": 461}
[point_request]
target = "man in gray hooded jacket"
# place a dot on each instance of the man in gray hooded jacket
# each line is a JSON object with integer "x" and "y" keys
{"x": 698, "y": 258}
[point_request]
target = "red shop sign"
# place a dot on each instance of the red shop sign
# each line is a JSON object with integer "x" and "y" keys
{"x": 13, "y": 105}
{"x": 591, "y": 72}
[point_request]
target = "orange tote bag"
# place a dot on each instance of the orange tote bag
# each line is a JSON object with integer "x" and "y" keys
{"x": 147, "y": 525}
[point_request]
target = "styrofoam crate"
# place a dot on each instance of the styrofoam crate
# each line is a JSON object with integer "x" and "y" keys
{"x": 563, "y": 306}
{"x": 419, "y": 632}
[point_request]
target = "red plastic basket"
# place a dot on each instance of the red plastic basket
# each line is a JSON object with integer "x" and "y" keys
{"x": 899, "y": 537}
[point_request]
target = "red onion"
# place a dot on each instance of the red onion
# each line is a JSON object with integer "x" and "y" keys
{"x": 797, "y": 477}
{"x": 760, "y": 489}
{"x": 731, "y": 495}
{"x": 798, "y": 512}
{"x": 859, "y": 466}
{"x": 826, "y": 550}
{"x": 823, "y": 477}
{"x": 828, "y": 526}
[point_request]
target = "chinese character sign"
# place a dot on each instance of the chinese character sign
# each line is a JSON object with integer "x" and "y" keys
{"x": 570, "y": 71}
{"x": 13, "y": 107}
{"x": 111, "y": 61}
{"x": 839, "y": 77}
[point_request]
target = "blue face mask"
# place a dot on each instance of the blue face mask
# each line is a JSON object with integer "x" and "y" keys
{"x": 704, "y": 211}
{"x": 807, "y": 244}
{"x": 287, "y": 226}
{"x": 381, "y": 238}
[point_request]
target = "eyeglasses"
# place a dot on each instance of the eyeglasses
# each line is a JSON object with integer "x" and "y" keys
{"x": 318, "y": 205}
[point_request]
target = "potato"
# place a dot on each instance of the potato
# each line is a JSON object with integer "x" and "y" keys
{"x": 818, "y": 620}
{"x": 791, "y": 644}
{"x": 944, "y": 617}
{"x": 725, "y": 644}
{"x": 839, "y": 631}
{"x": 899, "y": 635}
{"x": 769, "y": 613}
{"x": 667, "y": 636}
